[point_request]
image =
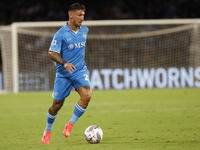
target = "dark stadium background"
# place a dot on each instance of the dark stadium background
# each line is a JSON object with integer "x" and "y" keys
{"x": 56, "y": 10}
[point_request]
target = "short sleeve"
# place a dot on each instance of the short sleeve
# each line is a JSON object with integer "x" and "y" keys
{"x": 56, "y": 43}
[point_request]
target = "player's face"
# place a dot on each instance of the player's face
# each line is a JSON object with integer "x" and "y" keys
{"x": 78, "y": 17}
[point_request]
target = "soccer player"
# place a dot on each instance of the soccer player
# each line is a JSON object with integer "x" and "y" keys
{"x": 67, "y": 49}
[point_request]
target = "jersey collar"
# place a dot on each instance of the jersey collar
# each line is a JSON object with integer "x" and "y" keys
{"x": 67, "y": 27}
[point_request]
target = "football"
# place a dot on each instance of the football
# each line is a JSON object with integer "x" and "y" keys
{"x": 93, "y": 134}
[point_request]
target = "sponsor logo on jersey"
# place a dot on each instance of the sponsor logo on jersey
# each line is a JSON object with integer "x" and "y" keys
{"x": 71, "y": 46}
{"x": 77, "y": 45}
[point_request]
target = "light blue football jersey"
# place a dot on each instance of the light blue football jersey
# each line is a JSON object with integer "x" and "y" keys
{"x": 71, "y": 47}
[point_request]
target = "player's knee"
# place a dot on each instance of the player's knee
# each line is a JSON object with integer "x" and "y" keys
{"x": 87, "y": 95}
{"x": 58, "y": 106}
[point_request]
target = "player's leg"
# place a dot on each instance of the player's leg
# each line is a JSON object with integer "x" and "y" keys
{"x": 52, "y": 113}
{"x": 82, "y": 86}
{"x": 85, "y": 94}
{"x": 62, "y": 88}
{"x": 51, "y": 116}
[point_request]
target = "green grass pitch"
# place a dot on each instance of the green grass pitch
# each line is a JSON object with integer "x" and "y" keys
{"x": 157, "y": 119}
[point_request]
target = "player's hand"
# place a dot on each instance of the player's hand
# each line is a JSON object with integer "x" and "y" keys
{"x": 70, "y": 68}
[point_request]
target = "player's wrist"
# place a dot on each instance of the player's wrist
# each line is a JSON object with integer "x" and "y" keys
{"x": 63, "y": 63}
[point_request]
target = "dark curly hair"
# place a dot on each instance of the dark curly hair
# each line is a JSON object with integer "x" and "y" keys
{"x": 76, "y": 6}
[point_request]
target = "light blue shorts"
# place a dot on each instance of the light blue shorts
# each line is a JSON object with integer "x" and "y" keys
{"x": 63, "y": 85}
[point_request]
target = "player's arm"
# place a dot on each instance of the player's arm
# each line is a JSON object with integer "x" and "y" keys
{"x": 55, "y": 57}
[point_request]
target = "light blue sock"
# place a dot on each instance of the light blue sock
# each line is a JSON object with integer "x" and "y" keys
{"x": 78, "y": 111}
{"x": 50, "y": 121}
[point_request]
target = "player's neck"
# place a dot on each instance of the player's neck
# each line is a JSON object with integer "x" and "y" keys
{"x": 73, "y": 27}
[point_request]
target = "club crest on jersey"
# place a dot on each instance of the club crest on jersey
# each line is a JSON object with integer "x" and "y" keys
{"x": 84, "y": 36}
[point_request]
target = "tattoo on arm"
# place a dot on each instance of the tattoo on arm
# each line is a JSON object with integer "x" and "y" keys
{"x": 55, "y": 57}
